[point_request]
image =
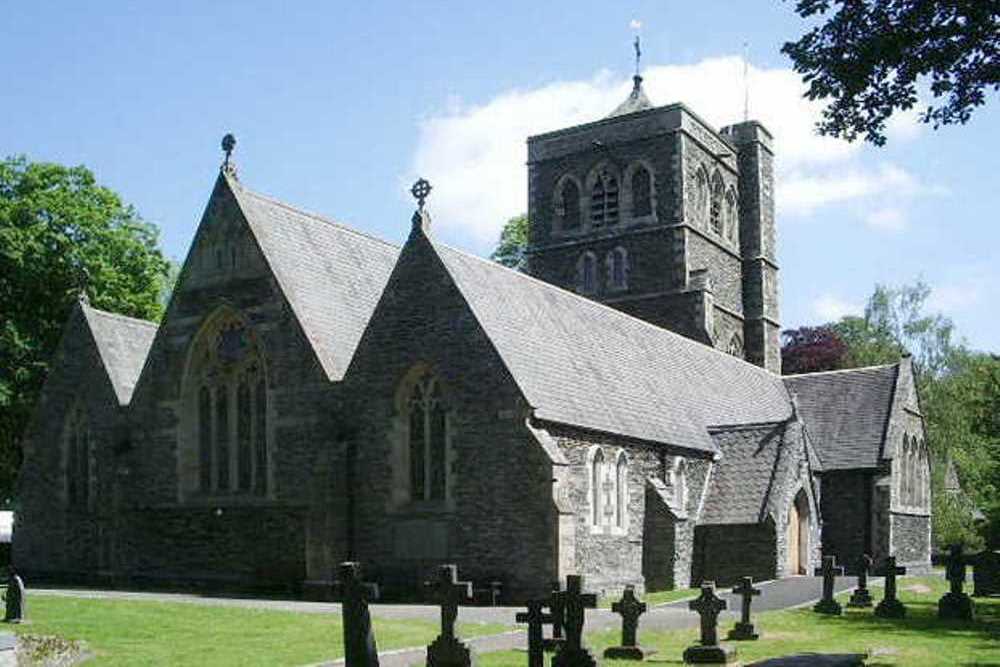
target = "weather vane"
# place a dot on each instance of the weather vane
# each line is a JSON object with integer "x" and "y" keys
{"x": 636, "y": 25}
{"x": 420, "y": 190}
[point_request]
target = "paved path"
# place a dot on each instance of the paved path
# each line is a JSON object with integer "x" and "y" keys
{"x": 780, "y": 594}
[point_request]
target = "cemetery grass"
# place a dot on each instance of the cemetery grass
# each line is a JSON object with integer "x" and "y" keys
{"x": 919, "y": 640}
{"x": 128, "y": 632}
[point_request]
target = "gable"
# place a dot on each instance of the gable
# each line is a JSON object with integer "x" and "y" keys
{"x": 122, "y": 343}
{"x": 743, "y": 478}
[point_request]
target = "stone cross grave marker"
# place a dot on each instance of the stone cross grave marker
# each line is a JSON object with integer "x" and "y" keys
{"x": 829, "y": 572}
{"x": 708, "y": 606}
{"x": 447, "y": 650}
{"x": 986, "y": 574}
{"x": 14, "y": 598}
{"x": 744, "y": 629}
{"x": 575, "y": 603}
{"x": 536, "y": 620}
{"x": 955, "y": 604}
{"x": 558, "y": 617}
{"x": 630, "y": 608}
{"x": 359, "y": 639}
{"x": 890, "y": 606}
{"x": 862, "y": 597}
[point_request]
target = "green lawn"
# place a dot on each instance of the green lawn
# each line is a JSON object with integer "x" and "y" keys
{"x": 125, "y": 632}
{"x": 659, "y": 597}
{"x": 918, "y": 640}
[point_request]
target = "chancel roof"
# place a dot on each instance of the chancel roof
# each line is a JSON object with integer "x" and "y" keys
{"x": 332, "y": 275}
{"x": 581, "y": 363}
{"x": 846, "y": 413}
{"x": 123, "y": 343}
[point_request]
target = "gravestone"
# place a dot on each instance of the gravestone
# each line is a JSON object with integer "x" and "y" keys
{"x": 359, "y": 639}
{"x": 575, "y": 603}
{"x": 630, "y": 609}
{"x": 14, "y": 598}
{"x": 955, "y": 604}
{"x": 862, "y": 597}
{"x": 558, "y": 618}
{"x": 890, "y": 606}
{"x": 709, "y": 651}
{"x": 744, "y": 629}
{"x": 536, "y": 620}
{"x": 448, "y": 650}
{"x": 829, "y": 572}
{"x": 986, "y": 574}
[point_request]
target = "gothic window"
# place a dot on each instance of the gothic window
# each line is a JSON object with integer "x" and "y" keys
{"x": 621, "y": 488}
{"x": 428, "y": 437}
{"x": 642, "y": 193}
{"x": 604, "y": 200}
{"x": 735, "y": 346}
{"x": 568, "y": 205}
{"x": 227, "y": 395}
{"x": 732, "y": 222}
{"x": 715, "y": 212}
{"x": 617, "y": 263}
{"x": 78, "y": 457}
{"x": 587, "y": 273}
{"x": 701, "y": 196}
{"x": 596, "y": 490}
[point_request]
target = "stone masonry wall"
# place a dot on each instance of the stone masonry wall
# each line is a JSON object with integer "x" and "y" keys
{"x": 846, "y": 511}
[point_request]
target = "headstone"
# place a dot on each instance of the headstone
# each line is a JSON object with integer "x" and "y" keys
{"x": 630, "y": 608}
{"x": 955, "y": 604}
{"x": 536, "y": 620}
{"x": 890, "y": 606}
{"x": 448, "y": 650}
{"x": 744, "y": 629}
{"x": 986, "y": 574}
{"x": 575, "y": 603}
{"x": 14, "y": 598}
{"x": 558, "y": 618}
{"x": 829, "y": 572}
{"x": 709, "y": 651}
{"x": 359, "y": 639}
{"x": 862, "y": 597}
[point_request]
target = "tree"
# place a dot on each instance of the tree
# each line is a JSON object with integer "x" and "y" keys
{"x": 510, "y": 250}
{"x": 811, "y": 349}
{"x": 61, "y": 234}
{"x": 870, "y": 57}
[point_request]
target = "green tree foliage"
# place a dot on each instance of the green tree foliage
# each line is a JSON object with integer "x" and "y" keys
{"x": 60, "y": 234}
{"x": 868, "y": 57}
{"x": 510, "y": 250}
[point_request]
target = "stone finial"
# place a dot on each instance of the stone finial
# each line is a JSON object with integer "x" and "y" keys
{"x": 421, "y": 219}
{"x": 228, "y": 144}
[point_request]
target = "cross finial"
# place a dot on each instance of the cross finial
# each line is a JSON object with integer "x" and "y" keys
{"x": 420, "y": 190}
{"x": 638, "y": 54}
{"x": 228, "y": 144}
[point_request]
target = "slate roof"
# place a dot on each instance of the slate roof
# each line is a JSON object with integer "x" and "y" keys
{"x": 636, "y": 100}
{"x": 581, "y": 363}
{"x": 332, "y": 275}
{"x": 741, "y": 480}
{"x": 123, "y": 343}
{"x": 846, "y": 413}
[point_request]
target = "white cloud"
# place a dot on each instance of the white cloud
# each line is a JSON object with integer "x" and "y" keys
{"x": 475, "y": 154}
{"x": 829, "y": 308}
{"x": 889, "y": 218}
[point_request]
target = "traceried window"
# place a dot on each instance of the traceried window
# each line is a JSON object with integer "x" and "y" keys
{"x": 227, "y": 390}
{"x": 568, "y": 205}
{"x": 617, "y": 263}
{"x": 716, "y": 212}
{"x": 642, "y": 193}
{"x": 586, "y": 268}
{"x": 78, "y": 460}
{"x": 608, "y": 491}
{"x": 428, "y": 440}
{"x": 701, "y": 196}
{"x": 604, "y": 200}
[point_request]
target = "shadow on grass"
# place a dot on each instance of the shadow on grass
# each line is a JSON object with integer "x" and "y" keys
{"x": 921, "y": 618}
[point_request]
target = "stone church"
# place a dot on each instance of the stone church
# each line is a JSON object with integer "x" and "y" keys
{"x": 315, "y": 394}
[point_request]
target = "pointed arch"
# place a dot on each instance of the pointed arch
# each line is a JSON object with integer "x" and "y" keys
{"x": 732, "y": 215}
{"x": 596, "y": 470}
{"x": 621, "y": 490}
{"x": 568, "y": 203}
{"x": 586, "y": 273}
{"x": 603, "y": 186}
{"x": 716, "y": 204}
{"x": 735, "y": 346}
{"x": 701, "y": 196}
{"x": 425, "y": 409}
{"x": 640, "y": 194}
{"x": 617, "y": 264}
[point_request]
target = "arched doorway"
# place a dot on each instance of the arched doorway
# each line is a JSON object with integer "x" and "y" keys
{"x": 798, "y": 534}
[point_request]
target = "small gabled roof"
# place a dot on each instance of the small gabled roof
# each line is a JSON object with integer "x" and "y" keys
{"x": 581, "y": 363}
{"x": 331, "y": 275}
{"x": 846, "y": 413}
{"x": 122, "y": 343}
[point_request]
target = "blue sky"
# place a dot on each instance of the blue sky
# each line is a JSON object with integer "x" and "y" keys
{"x": 337, "y": 107}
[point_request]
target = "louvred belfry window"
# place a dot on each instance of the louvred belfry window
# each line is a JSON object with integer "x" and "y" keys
{"x": 604, "y": 200}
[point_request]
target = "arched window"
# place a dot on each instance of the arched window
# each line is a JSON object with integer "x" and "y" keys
{"x": 621, "y": 488}
{"x": 617, "y": 264}
{"x": 735, "y": 347}
{"x": 906, "y": 467}
{"x": 642, "y": 193}
{"x": 428, "y": 440}
{"x": 596, "y": 487}
{"x": 568, "y": 205}
{"x": 678, "y": 480}
{"x": 78, "y": 459}
{"x": 701, "y": 196}
{"x": 226, "y": 395}
{"x": 604, "y": 200}
{"x": 715, "y": 213}
{"x": 732, "y": 219}
{"x": 587, "y": 273}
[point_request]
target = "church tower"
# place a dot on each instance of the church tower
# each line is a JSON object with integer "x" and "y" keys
{"x": 652, "y": 211}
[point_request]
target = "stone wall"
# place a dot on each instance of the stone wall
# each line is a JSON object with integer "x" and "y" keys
{"x": 911, "y": 541}
{"x": 846, "y": 506}
{"x": 724, "y": 553}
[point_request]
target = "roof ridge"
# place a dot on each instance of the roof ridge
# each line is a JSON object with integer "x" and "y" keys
{"x": 841, "y": 370}
{"x": 119, "y": 316}
{"x": 617, "y": 312}
{"x": 315, "y": 216}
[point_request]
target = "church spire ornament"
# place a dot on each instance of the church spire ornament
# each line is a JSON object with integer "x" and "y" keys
{"x": 420, "y": 191}
{"x": 228, "y": 144}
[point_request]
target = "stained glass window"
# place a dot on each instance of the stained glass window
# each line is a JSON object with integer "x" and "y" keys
{"x": 596, "y": 479}
{"x": 243, "y": 457}
{"x": 428, "y": 441}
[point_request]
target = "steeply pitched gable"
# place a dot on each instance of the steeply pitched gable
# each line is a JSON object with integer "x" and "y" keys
{"x": 123, "y": 344}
